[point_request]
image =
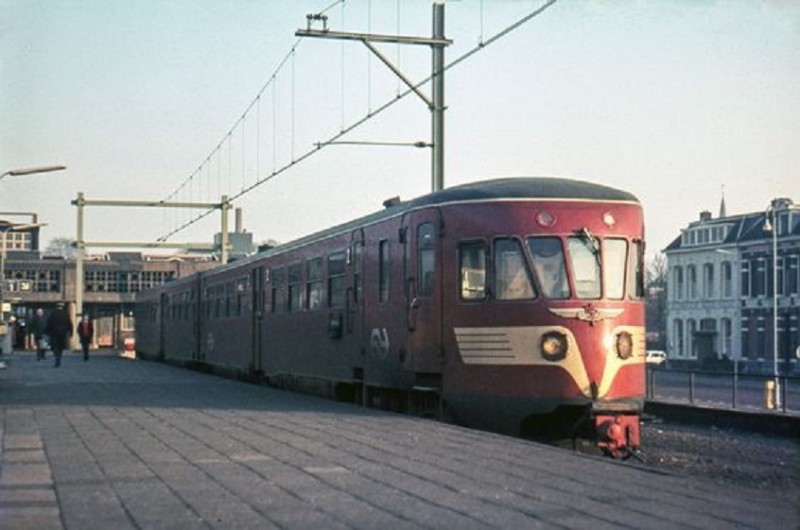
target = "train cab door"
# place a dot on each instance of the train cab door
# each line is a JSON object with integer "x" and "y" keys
{"x": 258, "y": 299}
{"x": 422, "y": 266}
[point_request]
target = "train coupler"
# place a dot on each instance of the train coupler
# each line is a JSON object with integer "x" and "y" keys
{"x": 618, "y": 434}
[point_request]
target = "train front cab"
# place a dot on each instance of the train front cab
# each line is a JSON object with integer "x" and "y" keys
{"x": 547, "y": 324}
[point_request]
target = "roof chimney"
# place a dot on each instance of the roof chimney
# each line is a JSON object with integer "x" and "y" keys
{"x": 238, "y": 213}
{"x": 705, "y": 215}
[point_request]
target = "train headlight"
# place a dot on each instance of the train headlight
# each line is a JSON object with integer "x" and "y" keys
{"x": 624, "y": 345}
{"x": 554, "y": 346}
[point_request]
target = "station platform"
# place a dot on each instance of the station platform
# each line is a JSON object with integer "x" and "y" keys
{"x": 121, "y": 443}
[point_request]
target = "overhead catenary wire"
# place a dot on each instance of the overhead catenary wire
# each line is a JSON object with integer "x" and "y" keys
{"x": 370, "y": 114}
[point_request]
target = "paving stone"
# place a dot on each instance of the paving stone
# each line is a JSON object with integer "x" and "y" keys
{"x": 130, "y": 444}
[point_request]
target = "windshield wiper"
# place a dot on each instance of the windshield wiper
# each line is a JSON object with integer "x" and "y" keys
{"x": 593, "y": 242}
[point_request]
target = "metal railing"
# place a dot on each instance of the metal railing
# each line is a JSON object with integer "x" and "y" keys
{"x": 726, "y": 389}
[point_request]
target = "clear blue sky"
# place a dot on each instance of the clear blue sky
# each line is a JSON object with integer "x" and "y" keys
{"x": 669, "y": 99}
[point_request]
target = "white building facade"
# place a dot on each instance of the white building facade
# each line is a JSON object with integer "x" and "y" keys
{"x": 721, "y": 284}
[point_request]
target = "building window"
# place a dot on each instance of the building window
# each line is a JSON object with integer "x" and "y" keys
{"x": 708, "y": 280}
{"x": 781, "y": 276}
{"x": 758, "y": 285}
{"x": 691, "y": 279}
{"x": 726, "y": 338}
{"x": 745, "y": 286}
{"x": 727, "y": 279}
{"x": 792, "y": 279}
{"x": 677, "y": 333}
{"x": 677, "y": 277}
{"x": 691, "y": 330}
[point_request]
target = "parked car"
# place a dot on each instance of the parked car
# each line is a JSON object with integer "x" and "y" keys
{"x": 656, "y": 357}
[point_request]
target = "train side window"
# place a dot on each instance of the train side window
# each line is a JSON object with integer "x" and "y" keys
{"x": 295, "y": 287}
{"x": 549, "y": 266}
{"x": 314, "y": 283}
{"x": 614, "y": 264}
{"x": 472, "y": 270}
{"x": 336, "y": 280}
{"x": 512, "y": 280}
{"x": 636, "y": 271}
{"x": 426, "y": 247}
{"x": 383, "y": 270}
{"x": 278, "y": 290}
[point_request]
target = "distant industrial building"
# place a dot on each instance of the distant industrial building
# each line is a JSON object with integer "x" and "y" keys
{"x": 734, "y": 290}
{"x": 31, "y": 279}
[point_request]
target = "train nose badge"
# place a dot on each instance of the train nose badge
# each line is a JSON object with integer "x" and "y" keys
{"x": 587, "y": 313}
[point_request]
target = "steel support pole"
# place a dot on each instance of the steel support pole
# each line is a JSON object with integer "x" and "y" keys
{"x": 79, "y": 256}
{"x": 437, "y": 125}
{"x": 775, "y": 310}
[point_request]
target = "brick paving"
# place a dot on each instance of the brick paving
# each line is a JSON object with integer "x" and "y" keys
{"x": 118, "y": 443}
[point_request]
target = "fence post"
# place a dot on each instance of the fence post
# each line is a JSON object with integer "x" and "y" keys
{"x": 735, "y": 381}
{"x": 691, "y": 388}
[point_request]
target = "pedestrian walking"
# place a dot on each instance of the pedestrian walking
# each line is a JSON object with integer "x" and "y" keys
{"x": 58, "y": 330}
{"x": 85, "y": 334}
{"x": 38, "y": 324}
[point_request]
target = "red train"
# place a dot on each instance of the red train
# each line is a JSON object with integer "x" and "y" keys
{"x": 512, "y": 304}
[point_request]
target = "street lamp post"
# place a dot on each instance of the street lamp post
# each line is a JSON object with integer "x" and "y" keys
{"x": 30, "y": 171}
{"x": 771, "y": 226}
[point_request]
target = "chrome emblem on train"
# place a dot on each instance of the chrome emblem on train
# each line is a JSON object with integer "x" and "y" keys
{"x": 587, "y": 313}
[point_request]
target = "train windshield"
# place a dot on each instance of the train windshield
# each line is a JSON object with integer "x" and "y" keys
{"x": 549, "y": 266}
{"x": 512, "y": 280}
{"x": 598, "y": 266}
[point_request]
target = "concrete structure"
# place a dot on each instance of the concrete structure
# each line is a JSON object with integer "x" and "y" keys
{"x": 723, "y": 286}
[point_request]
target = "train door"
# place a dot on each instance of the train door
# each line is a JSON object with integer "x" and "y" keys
{"x": 423, "y": 290}
{"x": 355, "y": 291}
{"x": 257, "y": 282}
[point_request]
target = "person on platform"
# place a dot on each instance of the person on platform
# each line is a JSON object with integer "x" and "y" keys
{"x": 85, "y": 334}
{"x": 38, "y": 324}
{"x": 59, "y": 331}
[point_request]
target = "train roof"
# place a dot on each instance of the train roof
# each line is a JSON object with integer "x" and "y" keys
{"x": 524, "y": 188}
{"x": 517, "y": 188}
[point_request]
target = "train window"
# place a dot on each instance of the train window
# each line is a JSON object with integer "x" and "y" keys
{"x": 585, "y": 260}
{"x": 383, "y": 270}
{"x": 314, "y": 285}
{"x": 614, "y": 260}
{"x": 549, "y": 266}
{"x": 512, "y": 280}
{"x": 472, "y": 270}
{"x": 336, "y": 280}
{"x": 295, "y": 287}
{"x": 636, "y": 272}
{"x": 278, "y": 290}
{"x": 426, "y": 246}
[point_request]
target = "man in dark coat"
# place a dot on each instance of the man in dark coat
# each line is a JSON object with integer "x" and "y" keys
{"x": 59, "y": 330}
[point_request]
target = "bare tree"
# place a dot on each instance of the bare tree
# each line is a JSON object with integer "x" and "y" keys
{"x": 656, "y": 302}
{"x": 62, "y": 247}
